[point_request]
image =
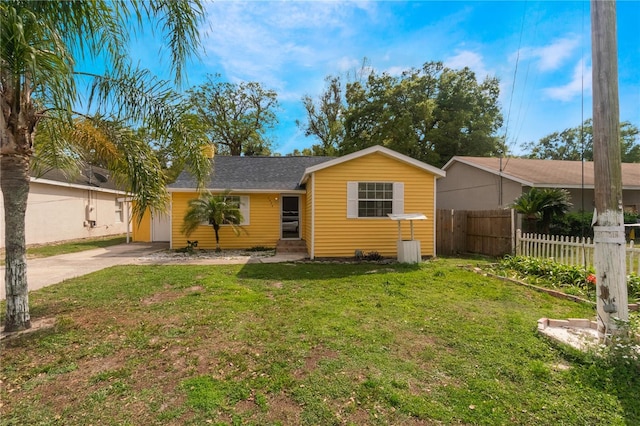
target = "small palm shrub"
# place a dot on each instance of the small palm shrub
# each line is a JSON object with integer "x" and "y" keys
{"x": 574, "y": 224}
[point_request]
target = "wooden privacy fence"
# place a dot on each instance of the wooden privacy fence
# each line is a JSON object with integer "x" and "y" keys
{"x": 486, "y": 232}
{"x": 569, "y": 250}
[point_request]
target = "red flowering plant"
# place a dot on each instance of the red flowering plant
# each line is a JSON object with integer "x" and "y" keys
{"x": 591, "y": 279}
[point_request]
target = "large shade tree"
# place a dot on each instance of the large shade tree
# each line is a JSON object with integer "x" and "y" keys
{"x": 576, "y": 143}
{"x": 41, "y": 45}
{"x": 236, "y": 116}
{"x": 431, "y": 114}
{"x": 324, "y": 118}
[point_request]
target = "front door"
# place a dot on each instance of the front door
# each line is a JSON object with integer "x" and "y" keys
{"x": 290, "y": 222}
{"x": 160, "y": 227}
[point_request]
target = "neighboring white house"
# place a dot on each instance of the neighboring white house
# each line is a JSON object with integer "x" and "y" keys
{"x": 63, "y": 208}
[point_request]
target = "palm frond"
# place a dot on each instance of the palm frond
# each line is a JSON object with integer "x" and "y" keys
{"x": 213, "y": 209}
{"x": 54, "y": 148}
{"x": 180, "y": 22}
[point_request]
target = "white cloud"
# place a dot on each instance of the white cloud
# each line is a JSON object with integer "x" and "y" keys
{"x": 266, "y": 41}
{"x": 554, "y": 55}
{"x": 472, "y": 60}
{"x": 396, "y": 70}
{"x": 580, "y": 83}
{"x": 347, "y": 64}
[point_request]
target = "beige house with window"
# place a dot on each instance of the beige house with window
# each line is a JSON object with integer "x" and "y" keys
{"x": 483, "y": 183}
{"x": 61, "y": 208}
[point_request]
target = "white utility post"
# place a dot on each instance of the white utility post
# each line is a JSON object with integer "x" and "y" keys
{"x": 611, "y": 286}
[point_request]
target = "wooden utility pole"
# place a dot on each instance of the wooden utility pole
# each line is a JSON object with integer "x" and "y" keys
{"x": 611, "y": 285}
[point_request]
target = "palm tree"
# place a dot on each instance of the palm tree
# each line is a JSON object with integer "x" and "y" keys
{"x": 557, "y": 204}
{"x": 39, "y": 80}
{"x": 541, "y": 205}
{"x": 215, "y": 210}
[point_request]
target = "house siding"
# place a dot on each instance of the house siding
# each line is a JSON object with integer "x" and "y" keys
{"x": 337, "y": 236}
{"x": 469, "y": 188}
{"x": 141, "y": 231}
{"x": 58, "y": 213}
{"x": 263, "y": 229}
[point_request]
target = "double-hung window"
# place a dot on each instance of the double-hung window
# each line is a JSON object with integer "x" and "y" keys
{"x": 242, "y": 203}
{"x": 119, "y": 211}
{"x": 374, "y": 199}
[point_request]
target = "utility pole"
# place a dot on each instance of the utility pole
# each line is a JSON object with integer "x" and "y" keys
{"x": 611, "y": 285}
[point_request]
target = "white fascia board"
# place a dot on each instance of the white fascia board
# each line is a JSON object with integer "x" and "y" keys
{"x": 312, "y": 252}
{"x": 170, "y": 221}
{"x": 76, "y": 186}
{"x": 434, "y": 214}
{"x": 451, "y": 161}
{"x": 374, "y": 149}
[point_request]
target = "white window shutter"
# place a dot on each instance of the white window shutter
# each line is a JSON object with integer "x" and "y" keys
{"x": 398, "y": 198}
{"x": 352, "y": 200}
{"x": 244, "y": 209}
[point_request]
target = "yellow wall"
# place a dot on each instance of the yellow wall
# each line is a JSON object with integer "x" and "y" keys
{"x": 337, "y": 236}
{"x": 141, "y": 232}
{"x": 263, "y": 228}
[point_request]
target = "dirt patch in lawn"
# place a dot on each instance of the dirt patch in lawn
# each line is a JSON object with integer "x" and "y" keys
{"x": 313, "y": 358}
{"x": 284, "y": 410}
{"x": 37, "y": 324}
{"x": 169, "y": 294}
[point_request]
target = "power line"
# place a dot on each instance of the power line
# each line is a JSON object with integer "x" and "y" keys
{"x": 513, "y": 89}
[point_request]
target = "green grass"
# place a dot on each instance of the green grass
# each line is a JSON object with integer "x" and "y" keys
{"x": 305, "y": 344}
{"x": 70, "y": 247}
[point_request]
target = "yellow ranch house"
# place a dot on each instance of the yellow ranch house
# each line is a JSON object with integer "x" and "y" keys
{"x": 329, "y": 206}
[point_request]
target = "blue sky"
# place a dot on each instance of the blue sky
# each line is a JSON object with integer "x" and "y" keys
{"x": 292, "y": 46}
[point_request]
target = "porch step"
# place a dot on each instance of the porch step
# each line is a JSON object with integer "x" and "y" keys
{"x": 291, "y": 247}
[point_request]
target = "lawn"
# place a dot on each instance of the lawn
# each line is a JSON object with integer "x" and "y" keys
{"x": 316, "y": 343}
{"x": 46, "y": 250}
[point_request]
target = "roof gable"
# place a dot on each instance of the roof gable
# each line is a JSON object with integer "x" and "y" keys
{"x": 371, "y": 150}
{"x": 252, "y": 173}
{"x": 547, "y": 173}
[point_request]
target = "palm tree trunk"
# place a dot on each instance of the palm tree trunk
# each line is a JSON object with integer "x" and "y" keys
{"x": 216, "y": 228}
{"x": 15, "y": 191}
{"x": 531, "y": 222}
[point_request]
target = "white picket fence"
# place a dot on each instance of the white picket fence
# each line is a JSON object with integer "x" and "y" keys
{"x": 569, "y": 250}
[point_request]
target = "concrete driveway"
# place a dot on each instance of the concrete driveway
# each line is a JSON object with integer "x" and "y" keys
{"x": 46, "y": 271}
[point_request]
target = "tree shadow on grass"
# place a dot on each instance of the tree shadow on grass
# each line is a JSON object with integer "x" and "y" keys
{"x": 321, "y": 270}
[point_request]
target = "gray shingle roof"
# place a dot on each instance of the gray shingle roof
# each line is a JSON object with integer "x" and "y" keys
{"x": 90, "y": 176}
{"x": 253, "y": 173}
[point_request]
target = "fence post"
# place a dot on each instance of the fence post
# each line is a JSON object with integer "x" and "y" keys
{"x": 518, "y": 242}
{"x": 513, "y": 234}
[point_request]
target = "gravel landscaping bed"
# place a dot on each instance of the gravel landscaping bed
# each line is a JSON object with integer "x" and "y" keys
{"x": 174, "y": 255}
